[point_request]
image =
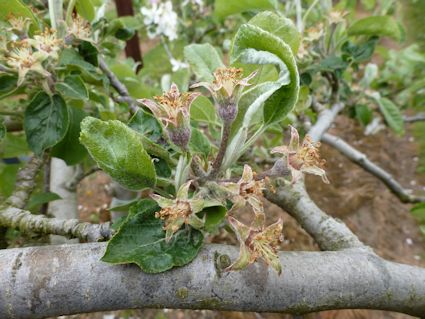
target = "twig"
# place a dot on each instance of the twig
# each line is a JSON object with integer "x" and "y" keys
{"x": 324, "y": 121}
{"x": 221, "y": 151}
{"x": 361, "y": 159}
{"x": 118, "y": 86}
{"x": 78, "y": 177}
{"x": 415, "y": 118}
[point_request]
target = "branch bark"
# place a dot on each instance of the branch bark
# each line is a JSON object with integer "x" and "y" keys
{"x": 34, "y": 282}
{"x": 329, "y": 233}
{"x": 415, "y": 118}
{"x": 361, "y": 159}
{"x": 25, "y": 221}
{"x": 324, "y": 121}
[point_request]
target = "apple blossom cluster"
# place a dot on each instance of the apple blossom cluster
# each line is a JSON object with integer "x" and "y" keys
{"x": 160, "y": 20}
{"x": 36, "y": 55}
{"x": 257, "y": 241}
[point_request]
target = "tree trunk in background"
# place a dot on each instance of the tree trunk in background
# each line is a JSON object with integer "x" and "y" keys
{"x": 65, "y": 208}
{"x": 132, "y": 47}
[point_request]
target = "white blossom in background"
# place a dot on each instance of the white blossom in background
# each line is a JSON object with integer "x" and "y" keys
{"x": 177, "y": 65}
{"x": 160, "y": 19}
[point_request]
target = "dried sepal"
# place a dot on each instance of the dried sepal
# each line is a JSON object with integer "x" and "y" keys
{"x": 179, "y": 211}
{"x": 47, "y": 43}
{"x": 173, "y": 110}
{"x": 257, "y": 241}
{"x": 23, "y": 59}
{"x": 79, "y": 29}
{"x": 303, "y": 158}
{"x": 246, "y": 191}
{"x": 226, "y": 90}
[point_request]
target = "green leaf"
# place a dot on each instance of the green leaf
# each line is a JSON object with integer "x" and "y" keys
{"x": 419, "y": 212}
{"x": 364, "y": 114}
{"x": 89, "y": 52}
{"x": 332, "y": 63}
{"x": 214, "y": 217}
{"x": 376, "y": 25}
{"x": 118, "y": 150}
{"x": 42, "y": 198}
{"x": 146, "y": 124}
{"x": 255, "y": 45}
{"x": 18, "y": 9}
{"x": 8, "y": 85}
{"x": 122, "y": 205}
{"x": 72, "y": 59}
{"x": 199, "y": 143}
{"x": 85, "y": 8}
{"x": 14, "y": 145}
{"x": 359, "y": 52}
{"x": 73, "y": 87}
{"x": 202, "y": 110}
{"x": 70, "y": 148}
{"x": 141, "y": 240}
{"x": 8, "y": 174}
{"x": 392, "y": 115}
{"x": 162, "y": 168}
{"x": 279, "y": 26}
{"x": 204, "y": 60}
{"x": 224, "y": 8}
{"x": 46, "y": 121}
{"x": 151, "y": 133}
{"x": 2, "y": 130}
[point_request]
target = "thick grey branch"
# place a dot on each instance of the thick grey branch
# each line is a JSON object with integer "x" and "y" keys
{"x": 35, "y": 282}
{"x": 324, "y": 121}
{"x": 26, "y": 222}
{"x": 118, "y": 86}
{"x": 415, "y": 118}
{"x": 361, "y": 159}
{"x": 329, "y": 233}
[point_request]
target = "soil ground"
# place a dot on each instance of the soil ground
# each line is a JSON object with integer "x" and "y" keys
{"x": 359, "y": 199}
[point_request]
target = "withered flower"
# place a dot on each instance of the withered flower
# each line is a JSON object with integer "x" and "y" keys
{"x": 257, "y": 241}
{"x": 179, "y": 211}
{"x": 302, "y": 159}
{"x": 173, "y": 110}
{"x": 47, "y": 43}
{"x": 23, "y": 59}
{"x": 19, "y": 24}
{"x": 226, "y": 90}
{"x": 247, "y": 190}
{"x": 79, "y": 29}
